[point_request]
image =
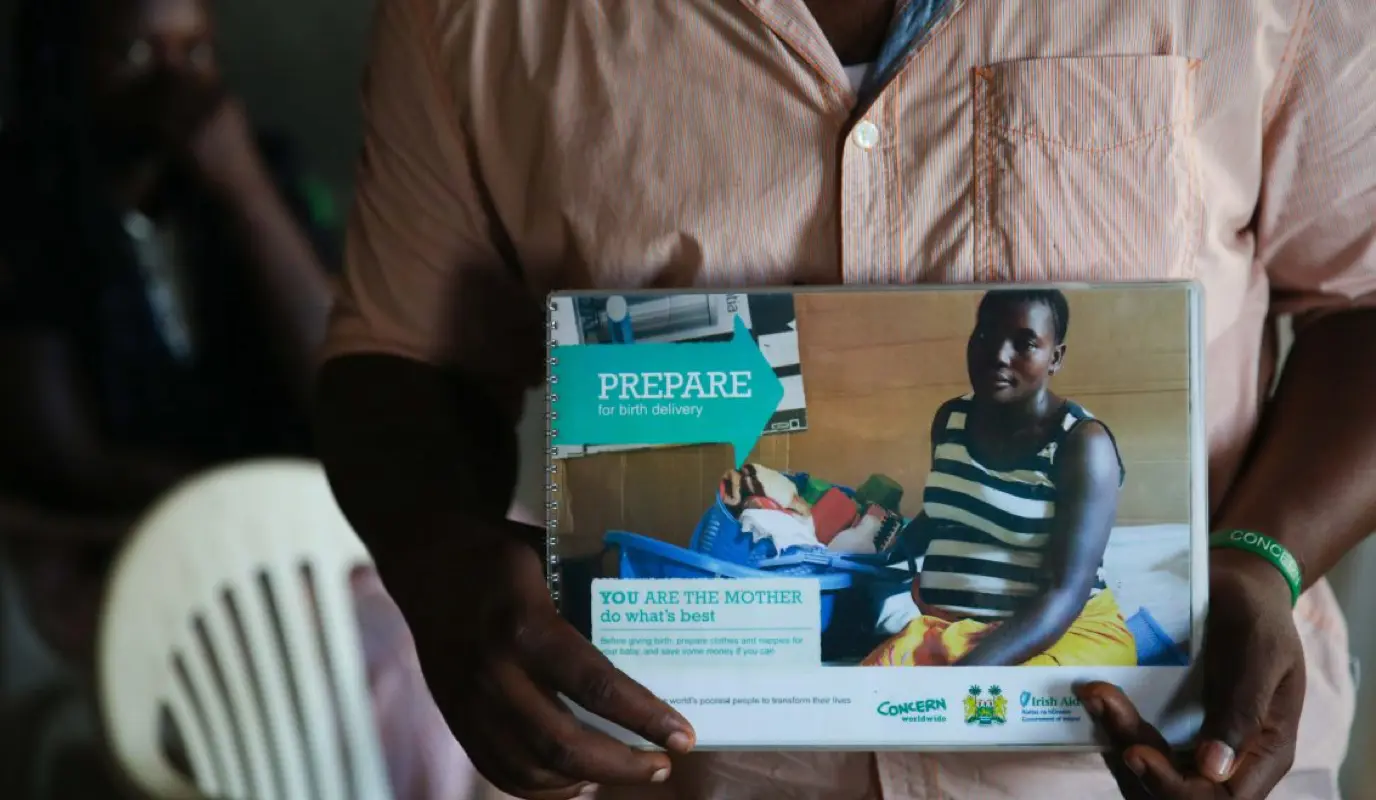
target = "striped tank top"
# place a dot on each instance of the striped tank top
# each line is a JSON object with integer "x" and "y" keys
{"x": 988, "y": 528}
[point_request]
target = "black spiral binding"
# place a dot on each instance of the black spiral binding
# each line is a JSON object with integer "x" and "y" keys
{"x": 551, "y": 468}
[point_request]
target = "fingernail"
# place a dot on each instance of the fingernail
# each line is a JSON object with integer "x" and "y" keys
{"x": 588, "y": 790}
{"x": 1216, "y": 760}
{"x": 680, "y": 742}
{"x": 1093, "y": 705}
{"x": 1136, "y": 764}
{"x": 660, "y": 776}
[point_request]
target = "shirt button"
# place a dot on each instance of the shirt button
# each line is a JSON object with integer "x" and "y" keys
{"x": 616, "y": 308}
{"x": 865, "y": 135}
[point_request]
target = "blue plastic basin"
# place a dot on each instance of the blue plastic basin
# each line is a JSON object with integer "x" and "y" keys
{"x": 720, "y": 536}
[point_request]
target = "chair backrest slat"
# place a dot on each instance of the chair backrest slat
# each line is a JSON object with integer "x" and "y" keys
{"x": 217, "y": 716}
{"x": 238, "y": 677}
{"x": 194, "y": 737}
{"x": 299, "y": 631}
{"x": 285, "y": 723}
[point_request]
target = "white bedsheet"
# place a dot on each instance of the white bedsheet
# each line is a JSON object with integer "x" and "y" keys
{"x": 1148, "y": 566}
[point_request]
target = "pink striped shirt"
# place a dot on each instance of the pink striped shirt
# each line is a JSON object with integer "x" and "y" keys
{"x": 517, "y": 146}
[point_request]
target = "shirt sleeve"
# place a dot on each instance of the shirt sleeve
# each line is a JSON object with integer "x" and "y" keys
{"x": 424, "y": 277}
{"x": 1316, "y": 224}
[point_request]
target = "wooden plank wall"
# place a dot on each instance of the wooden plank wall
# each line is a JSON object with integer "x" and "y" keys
{"x": 875, "y": 368}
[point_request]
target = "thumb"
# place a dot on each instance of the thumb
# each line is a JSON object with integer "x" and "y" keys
{"x": 1237, "y": 694}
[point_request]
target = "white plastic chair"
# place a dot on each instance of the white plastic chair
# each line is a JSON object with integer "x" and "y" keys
{"x": 208, "y": 616}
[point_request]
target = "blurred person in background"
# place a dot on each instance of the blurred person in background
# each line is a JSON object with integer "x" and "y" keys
{"x": 163, "y": 286}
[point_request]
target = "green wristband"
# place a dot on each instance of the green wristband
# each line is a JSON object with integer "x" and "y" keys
{"x": 1269, "y": 549}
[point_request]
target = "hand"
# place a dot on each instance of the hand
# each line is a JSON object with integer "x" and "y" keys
{"x": 1253, "y": 689}
{"x": 495, "y": 652}
{"x": 223, "y": 151}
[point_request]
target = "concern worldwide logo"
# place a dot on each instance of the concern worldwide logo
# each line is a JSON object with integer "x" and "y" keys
{"x": 932, "y": 709}
{"x": 986, "y": 709}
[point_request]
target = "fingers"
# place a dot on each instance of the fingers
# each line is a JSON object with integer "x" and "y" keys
{"x": 1159, "y": 776}
{"x": 1142, "y": 759}
{"x": 582, "y": 673}
{"x": 1250, "y": 647}
{"x": 1119, "y": 718}
{"x": 527, "y": 743}
{"x": 1267, "y": 759}
{"x": 500, "y": 755}
{"x": 1236, "y": 718}
{"x": 564, "y": 745}
{"x": 1127, "y": 732}
{"x": 1129, "y": 782}
{"x": 511, "y": 659}
{"x": 1233, "y": 717}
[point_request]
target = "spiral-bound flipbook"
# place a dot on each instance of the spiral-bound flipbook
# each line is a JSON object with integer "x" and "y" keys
{"x": 863, "y": 517}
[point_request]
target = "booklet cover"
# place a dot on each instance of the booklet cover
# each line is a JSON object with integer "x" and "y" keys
{"x": 897, "y": 517}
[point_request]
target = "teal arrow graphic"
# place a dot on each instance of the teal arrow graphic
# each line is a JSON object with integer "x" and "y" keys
{"x": 665, "y": 393}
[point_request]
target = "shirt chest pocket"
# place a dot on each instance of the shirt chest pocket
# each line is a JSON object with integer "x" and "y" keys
{"x": 1084, "y": 170}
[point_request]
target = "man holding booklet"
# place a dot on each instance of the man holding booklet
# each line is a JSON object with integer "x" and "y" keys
{"x": 514, "y": 147}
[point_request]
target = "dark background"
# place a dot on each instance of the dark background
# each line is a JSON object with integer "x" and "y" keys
{"x": 296, "y": 63}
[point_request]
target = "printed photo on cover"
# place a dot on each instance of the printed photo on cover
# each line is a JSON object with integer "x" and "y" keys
{"x": 995, "y": 477}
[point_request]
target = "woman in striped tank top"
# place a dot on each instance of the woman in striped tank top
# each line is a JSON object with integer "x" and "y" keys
{"x": 1017, "y": 510}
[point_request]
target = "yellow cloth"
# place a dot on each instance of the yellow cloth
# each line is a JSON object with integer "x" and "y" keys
{"x": 1099, "y": 637}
